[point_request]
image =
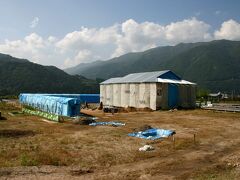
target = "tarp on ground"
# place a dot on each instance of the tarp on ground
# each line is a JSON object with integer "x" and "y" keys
{"x": 152, "y": 134}
{"x": 112, "y": 123}
{"x": 63, "y": 106}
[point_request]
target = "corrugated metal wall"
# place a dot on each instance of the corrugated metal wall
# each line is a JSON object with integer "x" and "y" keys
{"x": 103, "y": 94}
{"x": 129, "y": 95}
{"x": 141, "y": 101}
{"x": 125, "y": 95}
{"x": 187, "y": 96}
{"x": 151, "y": 95}
{"x": 162, "y": 96}
{"x": 144, "y": 95}
{"x": 122, "y": 95}
{"x": 133, "y": 95}
{"x": 117, "y": 95}
{"x": 109, "y": 95}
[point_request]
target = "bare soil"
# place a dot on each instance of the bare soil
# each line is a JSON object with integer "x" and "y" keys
{"x": 31, "y": 148}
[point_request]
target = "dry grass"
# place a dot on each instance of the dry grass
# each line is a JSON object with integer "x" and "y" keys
{"x": 103, "y": 152}
{"x": 7, "y": 107}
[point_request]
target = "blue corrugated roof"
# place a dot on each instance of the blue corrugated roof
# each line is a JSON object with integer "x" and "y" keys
{"x": 143, "y": 77}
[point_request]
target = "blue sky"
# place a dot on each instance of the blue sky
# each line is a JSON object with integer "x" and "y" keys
{"x": 42, "y": 26}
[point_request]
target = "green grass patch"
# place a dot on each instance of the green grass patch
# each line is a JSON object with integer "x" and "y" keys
{"x": 27, "y": 160}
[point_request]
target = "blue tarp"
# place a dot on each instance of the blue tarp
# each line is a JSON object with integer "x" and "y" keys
{"x": 89, "y": 98}
{"x": 55, "y": 105}
{"x": 152, "y": 134}
{"x": 59, "y": 104}
{"x": 112, "y": 123}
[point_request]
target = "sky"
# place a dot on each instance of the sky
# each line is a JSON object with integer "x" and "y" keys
{"x": 65, "y": 33}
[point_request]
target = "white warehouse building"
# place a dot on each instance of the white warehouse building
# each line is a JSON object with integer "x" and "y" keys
{"x": 154, "y": 90}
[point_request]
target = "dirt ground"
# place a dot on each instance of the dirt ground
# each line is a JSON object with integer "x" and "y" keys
{"x": 31, "y": 148}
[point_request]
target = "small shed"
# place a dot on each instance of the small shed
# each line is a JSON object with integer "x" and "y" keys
{"x": 155, "y": 90}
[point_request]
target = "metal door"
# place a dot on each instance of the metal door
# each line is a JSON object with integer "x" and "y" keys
{"x": 172, "y": 96}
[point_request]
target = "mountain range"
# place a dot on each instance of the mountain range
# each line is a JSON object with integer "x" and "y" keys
{"x": 20, "y": 75}
{"x": 212, "y": 65}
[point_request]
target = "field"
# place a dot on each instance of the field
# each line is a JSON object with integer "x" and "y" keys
{"x": 32, "y": 148}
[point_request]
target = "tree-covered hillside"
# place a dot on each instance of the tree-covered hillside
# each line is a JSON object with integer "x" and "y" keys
{"x": 19, "y": 75}
{"x": 212, "y": 65}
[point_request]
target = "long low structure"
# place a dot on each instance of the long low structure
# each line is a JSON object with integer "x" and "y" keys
{"x": 59, "y": 104}
{"x": 83, "y": 98}
{"x": 155, "y": 90}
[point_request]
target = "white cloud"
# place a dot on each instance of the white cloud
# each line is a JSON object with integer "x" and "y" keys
{"x": 190, "y": 30}
{"x": 32, "y": 47}
{"x": 90, "y": 44}
{"x": 87, "y": 38}
{"x": 52, "y": 39}
{"x": 82, "y": 56}
{"x": 139, "y": 37}
{"x": 34, "y": 22}
{"x": 229, "y": 30}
